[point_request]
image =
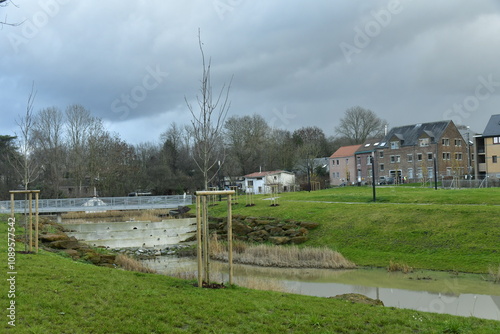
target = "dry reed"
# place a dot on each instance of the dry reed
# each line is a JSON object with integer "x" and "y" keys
{"x": 131, "y": 264}
{"x": 394, "y": 266}
{"x": 495, "y": 274}
{"x": 280, "y": 256}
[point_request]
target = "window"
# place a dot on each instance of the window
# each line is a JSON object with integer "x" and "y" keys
{"x": 347, "y": 161}
{"x": 381, "y": 154}
{"x": 458, "y": 156}
{"x": 393, "y": 159}
{"x": 494, "y": 159}
{"x": 419, "y": 172}
{"x": 419, "y": 156}
{"x": 398, "y": 158}
{"x": 338, "y": 175}
{"x": 458, "y": 142}
{"x": 429, "y": 156}
{"x": 446, "y": 155}
{"x": 369, "y": 160}
{"x": 394, "y": 145}
{"x": 250, "y": 184}
{"x": 338, "y": 162}
{"x": 381, "y": 167}
{"x": 423, "y": 142}
{"x": 496, "y": 140}
{"x": 358, "y": 160}
{"x": 430, "y": 172}
{"x": 410, "y": 173}
{"x": 409, "y": 157}
{"x": 448, "y": 171}
{"x": 445, "y": 141}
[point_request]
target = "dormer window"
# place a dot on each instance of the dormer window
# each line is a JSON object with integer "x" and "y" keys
{"x": 394, "y": 145}
{"x": 424, "y": 142}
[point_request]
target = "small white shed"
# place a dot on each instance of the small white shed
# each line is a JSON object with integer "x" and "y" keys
{"x": 262, "y": 182}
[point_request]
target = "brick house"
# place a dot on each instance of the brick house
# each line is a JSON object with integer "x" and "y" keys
{"x": 488, "y": 150}
{"x": 343, "y": 165}
{"x": 407, "y": 152}
{"x": 364, "y": 156}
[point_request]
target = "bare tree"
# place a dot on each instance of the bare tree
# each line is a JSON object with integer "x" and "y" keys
{"x": 359, "y": 124}
{"x": 78, "y": 123}
{"x": 246, "y": 138}
{"x": 208, "y": 123}
{"x": 48, "y": 135}
{"x": 8, "y": 176}
{"x": 310, "y": 143}
{"x": 5, "y": 3}
{"x": 25, "y": 165}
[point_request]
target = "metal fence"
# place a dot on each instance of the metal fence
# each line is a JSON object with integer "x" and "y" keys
{"x": 461, "y": 183}
{"x": 99, "y": 204}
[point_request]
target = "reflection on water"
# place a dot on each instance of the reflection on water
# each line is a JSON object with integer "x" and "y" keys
{"x": 439, "y": 292}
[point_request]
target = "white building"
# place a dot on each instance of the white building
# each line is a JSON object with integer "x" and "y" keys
{"x": 263, "y": 182}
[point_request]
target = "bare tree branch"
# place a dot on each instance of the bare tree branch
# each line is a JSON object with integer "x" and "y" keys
{"x": 5, "y": 3}
{"x": 208, "y": 123}
{"x": 359, "y": 124}
{"x": 25, "y": 166}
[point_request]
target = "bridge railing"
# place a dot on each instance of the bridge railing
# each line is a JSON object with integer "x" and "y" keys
{"x": 99, "y": 203}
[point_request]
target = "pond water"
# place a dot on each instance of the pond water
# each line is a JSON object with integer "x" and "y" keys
{"x": 430, "y": 291}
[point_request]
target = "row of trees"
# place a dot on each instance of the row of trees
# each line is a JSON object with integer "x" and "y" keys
{"x": 71, "y": 153}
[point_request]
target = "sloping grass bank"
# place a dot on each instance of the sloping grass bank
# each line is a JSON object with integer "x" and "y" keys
{"x": 447, "y": 236}
{"x": 58, "y": 295}
{"x": 400, "y": 194}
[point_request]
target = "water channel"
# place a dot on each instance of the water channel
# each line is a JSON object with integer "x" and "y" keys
{"x": 430, "y": 291}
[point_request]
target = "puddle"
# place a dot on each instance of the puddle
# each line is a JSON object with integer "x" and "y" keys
{"x": 429, "y": 291}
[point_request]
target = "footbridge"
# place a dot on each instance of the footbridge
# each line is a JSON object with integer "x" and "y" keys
{"x": 98, "y": 204}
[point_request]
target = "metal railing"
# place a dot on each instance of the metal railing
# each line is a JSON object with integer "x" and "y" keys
{"x": 100, "y": 204}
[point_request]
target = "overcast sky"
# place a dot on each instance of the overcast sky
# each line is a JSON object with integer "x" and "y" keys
{"x": 296, "y": 63}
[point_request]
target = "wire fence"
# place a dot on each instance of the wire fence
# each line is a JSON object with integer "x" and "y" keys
{"x": 99, "y": 204}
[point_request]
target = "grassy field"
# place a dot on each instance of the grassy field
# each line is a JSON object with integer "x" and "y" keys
{"x": 456, "y": 232}
{"x": 54, "y": 294}
{"x": 400, "y": 194}
{"x": 57, "y": 295}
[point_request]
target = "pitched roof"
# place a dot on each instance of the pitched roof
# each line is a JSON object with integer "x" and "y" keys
{"x": 262, "y": 174}
{"x": 369, "y": 145}
{"x": 409, "y": 134}
{"x": 345, "y": 151}
{"x": 493, "y": 127}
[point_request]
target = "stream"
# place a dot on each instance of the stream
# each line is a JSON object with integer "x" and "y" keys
{"x": 430, "y": 291}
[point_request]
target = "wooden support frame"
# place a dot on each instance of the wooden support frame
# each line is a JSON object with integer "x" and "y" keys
{"x": 235, "y": 197}
{"x": 30, "y": 204}
{"x": 202, "y": 234}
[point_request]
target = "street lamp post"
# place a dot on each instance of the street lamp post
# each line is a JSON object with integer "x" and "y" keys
{"x": 372, "y": 158}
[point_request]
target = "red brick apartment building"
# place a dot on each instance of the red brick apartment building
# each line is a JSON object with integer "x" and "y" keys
{"x": 407, "y": 152}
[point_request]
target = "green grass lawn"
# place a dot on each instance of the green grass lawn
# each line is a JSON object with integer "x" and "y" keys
{"x": 400, "y": 194}
{"x": 448, "y": 235}
{"x": 55, "y": 294}
{"x": 58, "y": 295}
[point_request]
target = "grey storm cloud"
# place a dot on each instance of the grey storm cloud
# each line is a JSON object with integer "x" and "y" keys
{"x": 296, "y": 63}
